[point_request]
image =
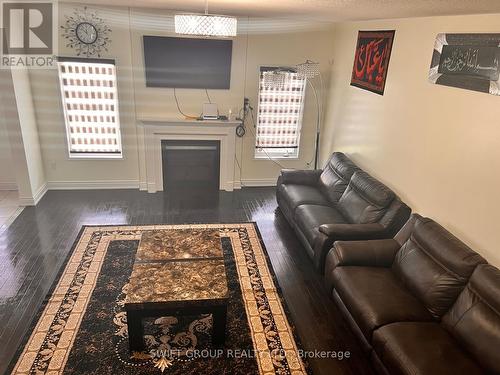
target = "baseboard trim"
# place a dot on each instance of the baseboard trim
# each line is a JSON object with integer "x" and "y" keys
{"x": 11, "y": 219}
{"x": 258, "y": 182}
{"x": 124, "y": 184}
{"x": 39, "y": 194}
{"x": 93, "y": 185}
{"x": 26, "y": 201}
{"x": 33, "y": 201}
{"x": 8, "y": 186}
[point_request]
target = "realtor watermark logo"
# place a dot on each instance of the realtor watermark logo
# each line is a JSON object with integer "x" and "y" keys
{"x": 29, "y": 34}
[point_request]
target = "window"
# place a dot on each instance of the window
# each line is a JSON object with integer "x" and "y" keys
{"x": 90, "y": 102}
{"x": 280, "y": 110}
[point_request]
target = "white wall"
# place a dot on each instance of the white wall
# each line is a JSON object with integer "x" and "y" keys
{"x": 7, "y": 175}
{"x": 438, "y": 147}
{"x": 288, "y": 48}
{"x": 260, "y": 42}
{"x": 29, "y": 131}
{"x": 22, "y": 135}
{"x": 60, "y": 170}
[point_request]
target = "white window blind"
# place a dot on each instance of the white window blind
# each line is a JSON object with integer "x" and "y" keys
{"x": 90, "y": 102}
{"x": 280, "y": 111}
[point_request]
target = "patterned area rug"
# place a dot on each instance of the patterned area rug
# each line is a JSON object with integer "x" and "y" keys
{"x": 81, "y": 329}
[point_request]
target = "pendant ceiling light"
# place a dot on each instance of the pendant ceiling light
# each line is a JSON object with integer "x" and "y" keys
{"x": 205, "y": 24}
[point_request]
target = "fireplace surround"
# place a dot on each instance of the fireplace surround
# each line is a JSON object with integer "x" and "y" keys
{"x": 152, "y": 131}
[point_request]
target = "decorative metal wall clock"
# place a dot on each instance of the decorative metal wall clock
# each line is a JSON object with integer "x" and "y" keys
{"x": 87, "y": 33}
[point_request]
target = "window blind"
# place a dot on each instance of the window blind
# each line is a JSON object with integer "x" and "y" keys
{"x": 90, "y": 102}
{"x": 280, "y": 111}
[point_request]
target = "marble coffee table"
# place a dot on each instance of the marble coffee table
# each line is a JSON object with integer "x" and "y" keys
{"x": 177, "y": 272}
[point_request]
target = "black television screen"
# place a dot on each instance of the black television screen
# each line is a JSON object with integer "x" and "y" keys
{"x": 187, "y": 63}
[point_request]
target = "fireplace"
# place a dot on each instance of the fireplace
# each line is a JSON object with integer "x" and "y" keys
{"x": 190, "y": 164}
{"x": 152, "y": 131}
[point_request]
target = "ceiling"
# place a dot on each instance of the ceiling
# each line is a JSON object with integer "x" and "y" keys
{"x": 325, "y": 10}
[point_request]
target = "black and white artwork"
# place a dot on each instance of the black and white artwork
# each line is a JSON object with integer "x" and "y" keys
{"x": 467, "y": 61}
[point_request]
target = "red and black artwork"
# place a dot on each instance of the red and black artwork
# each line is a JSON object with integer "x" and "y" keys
{"x": 372, "y": 60}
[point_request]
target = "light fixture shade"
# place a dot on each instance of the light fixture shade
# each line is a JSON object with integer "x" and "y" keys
{"x": 276, "y": 79}
{"x": 205, "y": 25}
{"x": 308, "y": 69}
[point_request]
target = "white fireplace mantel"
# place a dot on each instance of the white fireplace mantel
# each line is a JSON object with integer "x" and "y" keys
{"x": 156, "y": 130}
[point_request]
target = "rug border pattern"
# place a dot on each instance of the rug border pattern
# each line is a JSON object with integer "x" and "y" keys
{"x": 252, "y": 263}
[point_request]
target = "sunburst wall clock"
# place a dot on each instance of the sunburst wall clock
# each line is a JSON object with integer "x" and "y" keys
{"x": 86, "y": 33}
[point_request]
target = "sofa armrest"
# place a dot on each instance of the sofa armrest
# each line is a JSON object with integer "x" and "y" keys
{"x": 329, "y": 233}
{"x": 300, "y": 176}
{"x": 346, "y": 232}
{"x": 373, "y": 253}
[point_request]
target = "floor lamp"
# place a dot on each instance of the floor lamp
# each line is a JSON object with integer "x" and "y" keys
{"x": 310, "y": 70}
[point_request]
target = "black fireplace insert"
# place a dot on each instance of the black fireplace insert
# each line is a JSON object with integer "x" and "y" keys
{"x": 190, "y": 164}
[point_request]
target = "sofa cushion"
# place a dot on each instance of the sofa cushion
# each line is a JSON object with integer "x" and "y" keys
{"x": 421, "y": 348}
{"x": 374, "y": 297}
{"x": 336, "y": 175}
{"x": 434, "y": 265}
{"x": 295, "y": 195}
{"x": 365, "y": 200}
{"x": 309, "y": 217}
{"x": 474, "y": 319}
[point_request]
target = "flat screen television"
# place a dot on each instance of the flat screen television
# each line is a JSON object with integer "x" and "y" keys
{"x": 187, "y": 62}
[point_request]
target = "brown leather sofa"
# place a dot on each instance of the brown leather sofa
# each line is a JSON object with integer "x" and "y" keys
{"x": 414, "y": 304}
{"x": 340, "y": 202}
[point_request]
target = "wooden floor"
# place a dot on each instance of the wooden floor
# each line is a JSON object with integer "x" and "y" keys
{"x": 33, "y": 248}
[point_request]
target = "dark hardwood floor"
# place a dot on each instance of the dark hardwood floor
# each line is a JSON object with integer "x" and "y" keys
{"x": 34, "y": 247}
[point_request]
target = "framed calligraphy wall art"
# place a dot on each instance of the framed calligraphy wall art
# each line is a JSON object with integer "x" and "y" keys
{"x": 371, "y": 60}
{"x": 467, "y": 61}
